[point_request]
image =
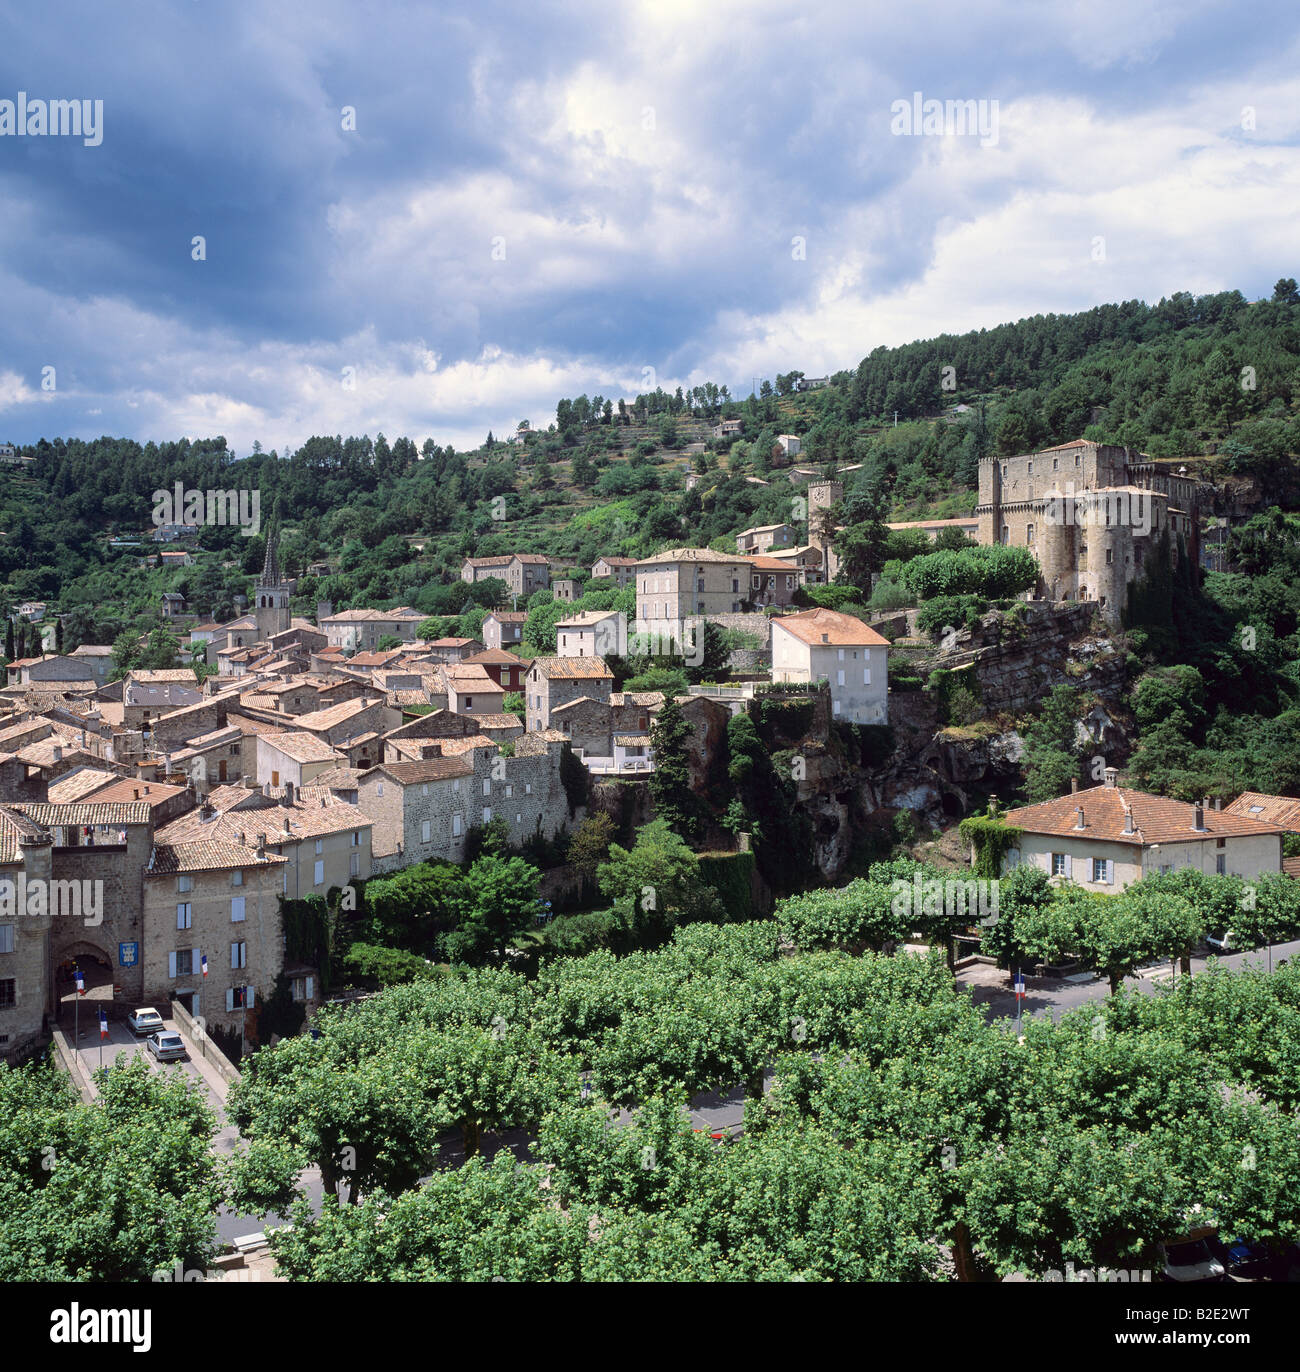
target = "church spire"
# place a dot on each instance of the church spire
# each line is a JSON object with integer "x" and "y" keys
{"x": 271, "y": 565}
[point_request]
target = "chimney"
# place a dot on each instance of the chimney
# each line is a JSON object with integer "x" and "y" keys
{"x": 261, "y": 845}
{"x": 1112, "y": 777}
{"x": 58, "y": 752}
{"x": 1198, "y": 822}
{"x": 1079, "y": 823}
{"x": 206, "y": 811}
{"x": 239, "y": 837}
{"x": 135, "y": 793}
{"x": 1128, "y": 820}
{"x": 1218, "y": 803}
{"x": 1074, "y": 785}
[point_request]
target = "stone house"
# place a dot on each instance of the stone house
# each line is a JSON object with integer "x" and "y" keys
{"x": 216, "y": 900}
{"x": 504, "y": 629}
{"x": 771, "y": 581}
{"x": 621, "y": 570}
{"x": 682, "y": 583}
{"x": 523, "y": 573}
{"x": 324, "y": 841}
{"x": 361, "y": 630}
{"x": 55, "y": 667}
{"x": 148, "y": 694}
{"x": 503, "y": 667}
{"x": 763, "y": 537}
{"x": 420, "y": 811}
{"x": 1106, "y": 837}
{"x": 824, "y": 645}
{"x": 594, "y": 633}
{"x": 471, "y": 691}
{"x": 295, "y": 758}
{"x": 553, "y": 681}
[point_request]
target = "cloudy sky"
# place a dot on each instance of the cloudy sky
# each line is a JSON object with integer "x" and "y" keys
{"x": 537, "y": 201}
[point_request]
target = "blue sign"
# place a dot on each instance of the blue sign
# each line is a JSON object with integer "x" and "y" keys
{"x": 128, "y": 954}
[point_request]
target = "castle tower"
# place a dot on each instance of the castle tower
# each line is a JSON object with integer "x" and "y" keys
{"x": 271, "y": 594}
{"x": 822, "y": 495}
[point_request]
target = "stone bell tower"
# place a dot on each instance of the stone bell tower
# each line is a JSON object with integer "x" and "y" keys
{"x": 271, "y": 594}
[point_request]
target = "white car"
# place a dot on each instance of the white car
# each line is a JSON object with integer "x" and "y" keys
{"x": 145, "y": 1020}
{"x": 1190, "y": 1261}
{"x": 166, "y": 1046}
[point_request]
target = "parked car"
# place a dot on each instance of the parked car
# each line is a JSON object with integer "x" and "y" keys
{"x": 1220, "y": 940}
{"x": 1239, "y": 1257}
{"x": 166, "y": 1046}
{"x": 1190, "y": 1261}
{"x": 145, "y": 1020}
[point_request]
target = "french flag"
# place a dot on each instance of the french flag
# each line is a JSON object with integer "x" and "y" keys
{"x": 81, "y": 983}
{"x": 103, "y": 1025}
{"x": 203, "y": 962}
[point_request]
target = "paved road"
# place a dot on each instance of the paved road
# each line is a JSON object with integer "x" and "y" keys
{"x": 122, "y": 1042}
{"x": 1053, "y": 995}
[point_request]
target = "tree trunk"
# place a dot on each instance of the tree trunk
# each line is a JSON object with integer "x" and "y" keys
{"x": 1185, "y": 962}
{"x": 471, "y": 1131}
{"x": 963, "y": 1255}
{"x": 1115, "y": 979}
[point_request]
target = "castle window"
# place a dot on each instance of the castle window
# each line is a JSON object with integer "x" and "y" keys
{"x": 1006, "y": 533}
{"x": 1110, "y": 556}
{"x": 1078, "y": 460}
{"x": 1029, "y": 533}
{"x": 1056, "y": 464}
{"x": 1029, "y": 469}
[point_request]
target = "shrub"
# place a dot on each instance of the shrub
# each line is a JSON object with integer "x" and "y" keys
{"x": 949, "y": 611}
{"x": 988, "y": 571}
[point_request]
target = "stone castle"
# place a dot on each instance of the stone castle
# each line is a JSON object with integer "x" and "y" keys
{"x": 1091, "y": 513}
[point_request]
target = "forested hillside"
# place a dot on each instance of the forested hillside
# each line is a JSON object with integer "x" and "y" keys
{"x": 1191, "y": 376}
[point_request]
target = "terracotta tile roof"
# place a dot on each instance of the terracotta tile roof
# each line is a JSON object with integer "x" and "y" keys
{"x": 85, "y": 813}
{"x": 206, "y": 855}
{"x": 336, "y": 714}
{"x": 75, "y": 786}
{"x": 632, "y": 740}
{"x": 650, "y": 699}
{"x": 573, "y": 668}
{"x": 1291, "y": 866}
{"x": 690, "y": 555}
{"x": 1283, "y": 810}
{"x": 580, "y": 701}
{"x": 308, "y": 817}
{"x": 426, "y": 769}
{"x": 158, "y": 678}
{"x": 149, "y": 793}
{"x": 586, "y": 619}
{"x": 337, "y": 778}
{"x": 617, "y": 561}
{"x": 764, "y": 563}
{"x": 456, "y": 747}
{"x": 493, "y": 657}
{"x": 469, "y": 675}
{"x": 504, "y": 559}
{"x": 1156, "y": 819}
{"x": 301, "y": 747}
{"x": 820, "y": 627}
{"x": 507, "y": 616}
